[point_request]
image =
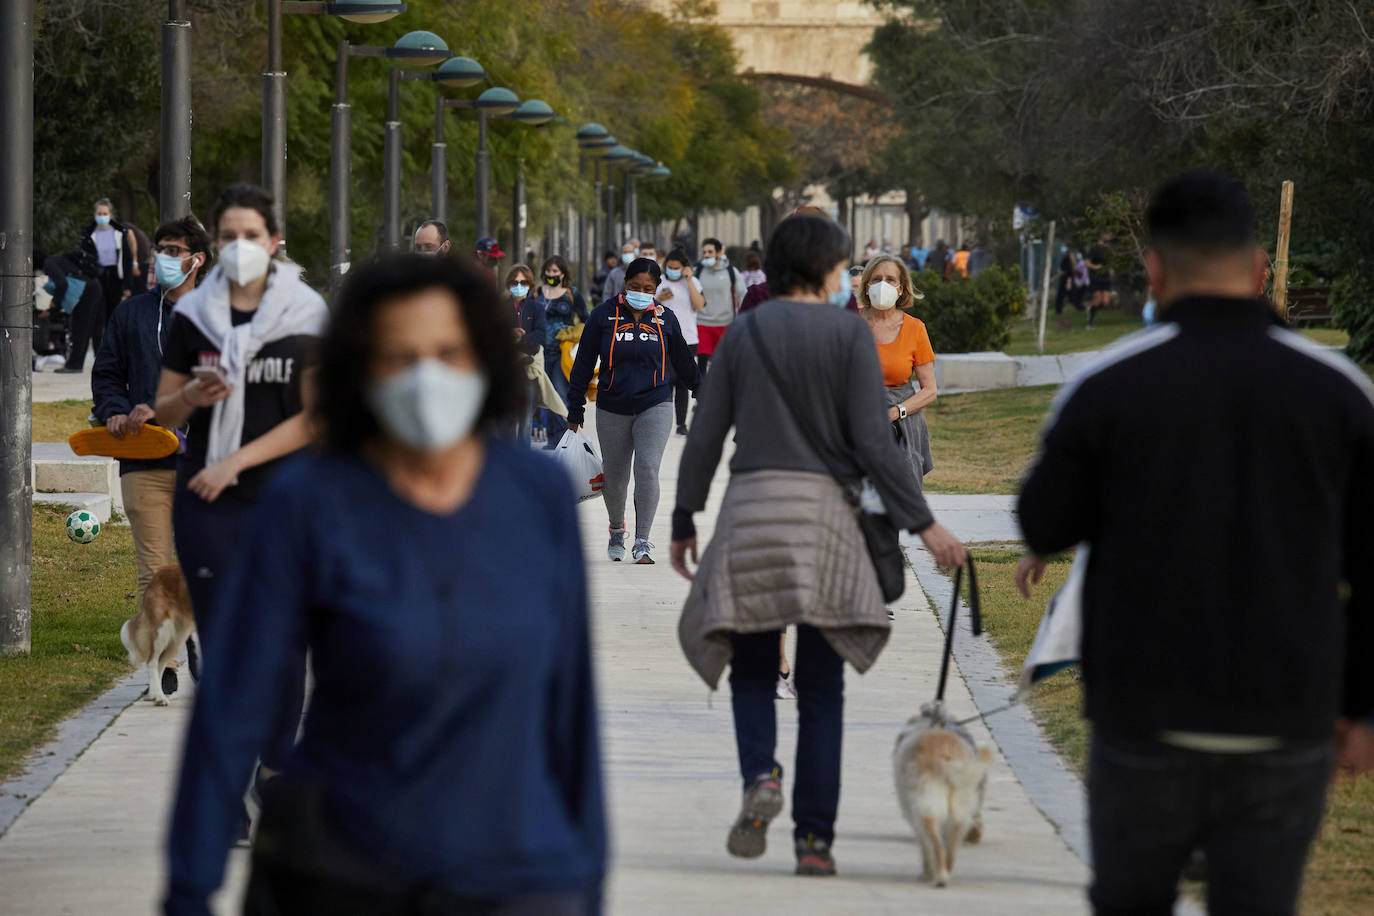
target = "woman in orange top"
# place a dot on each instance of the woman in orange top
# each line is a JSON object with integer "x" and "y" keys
{"x": 904, "y": 350}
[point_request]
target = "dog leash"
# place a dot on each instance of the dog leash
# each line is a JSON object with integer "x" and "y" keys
{"x": 975, "y": 610}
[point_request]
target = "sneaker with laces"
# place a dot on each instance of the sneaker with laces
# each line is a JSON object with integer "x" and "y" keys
{"x": 813, "y": 857}
{"x": 640, "y": 552}
{"x": 762, "y": 802}
{"x": 682, "y": 429}
{"x": 787, "y": 686}
{"x": 616, "y": 548}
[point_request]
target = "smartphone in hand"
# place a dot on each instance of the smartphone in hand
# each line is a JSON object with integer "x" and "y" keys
{"x": 210, "y": 374}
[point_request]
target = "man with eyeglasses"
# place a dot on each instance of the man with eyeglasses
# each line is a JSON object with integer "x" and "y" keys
{"x": 124, "y": 386}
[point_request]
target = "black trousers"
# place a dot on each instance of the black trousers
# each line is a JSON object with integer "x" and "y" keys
{"x": 820, "y": 721}
{"x": 1253, "y": 816}
{"x": 682, "y": 395}
{"x": 84, "y": 325}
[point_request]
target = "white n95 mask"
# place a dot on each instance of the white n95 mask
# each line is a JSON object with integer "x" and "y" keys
{"x": 244, "y": 261}
{"x": 430, "y": 406}
{"x": 882, "y": 295}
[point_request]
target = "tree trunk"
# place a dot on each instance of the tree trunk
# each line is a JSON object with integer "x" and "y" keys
{"x": 916, "y": 212}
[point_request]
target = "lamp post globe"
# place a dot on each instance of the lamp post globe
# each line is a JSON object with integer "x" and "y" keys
{"x": 460, "y": 71}
{"x": 497, "y": 101}
{"x": 418, "y": 49}
{"x": 365, "y": 12}
{"x": 532, "y": 111}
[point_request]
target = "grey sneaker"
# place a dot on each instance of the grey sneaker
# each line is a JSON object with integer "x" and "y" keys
{"x": 813, "y": 857}
{"x": 640, "y": 552}
{"x": 616, "y": 548}
{"x": 762, "y": 802}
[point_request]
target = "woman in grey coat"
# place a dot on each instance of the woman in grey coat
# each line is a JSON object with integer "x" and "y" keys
{"x": 787, "y": 549}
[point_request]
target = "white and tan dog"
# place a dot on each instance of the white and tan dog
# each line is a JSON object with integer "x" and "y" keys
{"x": 156, "y": 633}
{"x": 941, "y": 776}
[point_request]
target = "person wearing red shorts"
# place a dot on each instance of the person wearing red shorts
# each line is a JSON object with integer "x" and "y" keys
{"x": 723, "y": 286}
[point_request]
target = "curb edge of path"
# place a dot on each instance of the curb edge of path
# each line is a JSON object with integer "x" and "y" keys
{"x": 74, "y": 734}
{"x": 1054, "y": 789}
{"x": 1050, "y": 785}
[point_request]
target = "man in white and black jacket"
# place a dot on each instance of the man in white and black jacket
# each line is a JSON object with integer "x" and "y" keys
{"x": 1221, "y": 470}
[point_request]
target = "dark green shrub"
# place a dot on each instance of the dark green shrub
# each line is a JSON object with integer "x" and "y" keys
{"x": 968, "y": 316}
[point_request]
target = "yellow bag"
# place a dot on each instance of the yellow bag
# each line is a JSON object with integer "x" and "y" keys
{"x": 569, "y": 352}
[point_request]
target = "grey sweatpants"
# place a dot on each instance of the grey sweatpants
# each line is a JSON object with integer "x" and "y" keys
{"x": 640, "y": 440}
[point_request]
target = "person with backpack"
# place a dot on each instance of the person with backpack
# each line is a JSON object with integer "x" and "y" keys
{"x": 724, "y": 290}
{"x": 565, "y": 312}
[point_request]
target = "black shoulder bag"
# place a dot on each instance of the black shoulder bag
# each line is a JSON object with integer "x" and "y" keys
{"x": 880, "y": 534}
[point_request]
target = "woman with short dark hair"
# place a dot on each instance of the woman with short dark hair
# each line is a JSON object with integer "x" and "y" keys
{"x": 799, "y": 380}
{"x": 451, "y": 754}
{"x": 640, "y": 347}
{"x": 565, "y": 311}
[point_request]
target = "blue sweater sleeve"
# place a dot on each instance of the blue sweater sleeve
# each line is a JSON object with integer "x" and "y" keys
{"x": 574, "y": 749}
{"x": 588, "y": 352}
{"x": 110, "y": 374}
{"x": 249, "y": 656}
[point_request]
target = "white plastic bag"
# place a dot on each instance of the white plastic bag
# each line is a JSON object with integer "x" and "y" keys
{"x": 575, "y": 453}
{"x": 1059, "y": 640}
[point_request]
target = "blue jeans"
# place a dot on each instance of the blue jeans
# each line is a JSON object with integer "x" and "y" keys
{"x": 1253, "y": 816}
{"x": 553, "y": 365}
{"x": 820, "y": 729}
{"x": 208, "y": 537}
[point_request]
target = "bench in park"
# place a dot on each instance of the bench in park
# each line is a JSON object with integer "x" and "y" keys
{"x": 1309, "y": 304}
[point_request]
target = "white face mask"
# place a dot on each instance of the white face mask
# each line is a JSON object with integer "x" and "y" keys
{"x": 244, "y": 261}
{"x": 430, "y": 406}
{"x": 882, "y": 295}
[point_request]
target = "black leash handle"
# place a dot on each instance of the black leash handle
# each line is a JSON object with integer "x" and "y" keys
{"x": 975, "y": 610}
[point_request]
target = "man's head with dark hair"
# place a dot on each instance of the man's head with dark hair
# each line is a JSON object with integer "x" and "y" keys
{"x": 802, "y": 253}
{"x": 712, "y": 248}
{"x": 431, "y": 238}
{"x": 648, "y": 250}
{"x": 349, "y": 357}
{"x": 185, "y": 233}
{"x": 1201, "y": 234}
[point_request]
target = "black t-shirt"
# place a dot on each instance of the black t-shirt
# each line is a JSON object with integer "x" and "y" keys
{"x": 1098, "y": 255}
{"x": 272, "y": 393}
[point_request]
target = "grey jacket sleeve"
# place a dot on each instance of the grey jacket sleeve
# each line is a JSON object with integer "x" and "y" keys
{"x": 875, "y": 446}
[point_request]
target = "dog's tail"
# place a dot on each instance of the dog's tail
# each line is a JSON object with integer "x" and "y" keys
{"x": 135, "y": 656}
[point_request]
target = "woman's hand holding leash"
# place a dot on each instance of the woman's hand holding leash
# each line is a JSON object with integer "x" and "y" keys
{"x": 944, "y": 546}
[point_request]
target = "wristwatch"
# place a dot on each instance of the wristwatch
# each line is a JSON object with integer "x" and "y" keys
{"x": 901, "y": 411}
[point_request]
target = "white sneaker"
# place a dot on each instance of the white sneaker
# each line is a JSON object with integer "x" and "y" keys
{"x": 787, "y": 686}
{"x": 616, "y": 548}
{"x": 640, "y": 552}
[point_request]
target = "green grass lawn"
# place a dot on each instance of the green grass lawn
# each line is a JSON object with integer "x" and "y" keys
{"x": 1340, "y": 874}
{"x": 82, "y": 594}
{"x": 1069, "y": 334}
{"x": 983, "y": 441}
{"x": 54, "y": 421}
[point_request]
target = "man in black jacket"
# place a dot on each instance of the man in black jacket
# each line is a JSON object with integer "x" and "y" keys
{"x": 1221, "y": 469}
{"x": 124, "y": 384}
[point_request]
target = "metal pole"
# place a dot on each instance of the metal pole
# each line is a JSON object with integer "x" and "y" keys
{"x": 483, "y": 177}
{"x": 627, "y": 205}
{"x": 174, "y": 189}
{"x": 274, "y": 117}
{"x": 16, "y": 322}
{"x": 1045, "y": 289}
{"x": 518, "y": 213}
{"x": 340, "y": 172}
{"x": 582, "y": 227}
{"x": 391, "y": 166}
{"x": 438, "y": 166}
{"x": 612, "y": 236}
{"x": 599, "y": 240}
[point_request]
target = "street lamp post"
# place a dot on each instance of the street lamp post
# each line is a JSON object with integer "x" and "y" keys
{"x": 533, "y": 112}
{"x": 590, "y": 140}
{"x": 495, "y": 101}
{"x": 274, "y": 82}
{"x": 16, "y": 323}
{"x": 174, "y": 184}
{"x": 616, "y": 155}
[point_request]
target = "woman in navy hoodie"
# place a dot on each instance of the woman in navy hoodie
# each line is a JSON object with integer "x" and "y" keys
{"x": 639, "y": 345}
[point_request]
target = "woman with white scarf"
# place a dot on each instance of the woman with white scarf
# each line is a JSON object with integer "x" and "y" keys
{"x": 233, "y": 371}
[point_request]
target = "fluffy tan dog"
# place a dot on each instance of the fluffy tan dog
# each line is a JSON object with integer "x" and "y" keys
{"x": 941, "y": 776}
{"x": 156, "y": 633}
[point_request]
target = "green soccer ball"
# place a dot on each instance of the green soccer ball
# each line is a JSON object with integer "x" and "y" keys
{"x": 83, "y": 526}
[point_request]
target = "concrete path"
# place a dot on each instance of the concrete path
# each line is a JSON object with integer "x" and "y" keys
{"x": 61, "y": 386}
{"x": 91, "y": 843}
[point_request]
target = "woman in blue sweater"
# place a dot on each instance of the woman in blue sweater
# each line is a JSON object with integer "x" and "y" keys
{"x": 449, "y": 761}
{"x": 640, "y": 346}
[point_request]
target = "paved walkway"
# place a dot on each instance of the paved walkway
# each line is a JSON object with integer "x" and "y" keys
{"x": 61, "y": 386}
{"x": 91, "y": 843}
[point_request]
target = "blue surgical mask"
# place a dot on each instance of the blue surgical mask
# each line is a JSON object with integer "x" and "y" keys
{"x": 673, "y": 273}
{"x": 519, "y": 290}
{"x": 627, "y": 257}
{"x": 167, "y": 269}
{"x": 639, "y": 301}
{"x": 708, "y": 262}
{"x": 841, "y": 298}
{"x": 102, "y": 221}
